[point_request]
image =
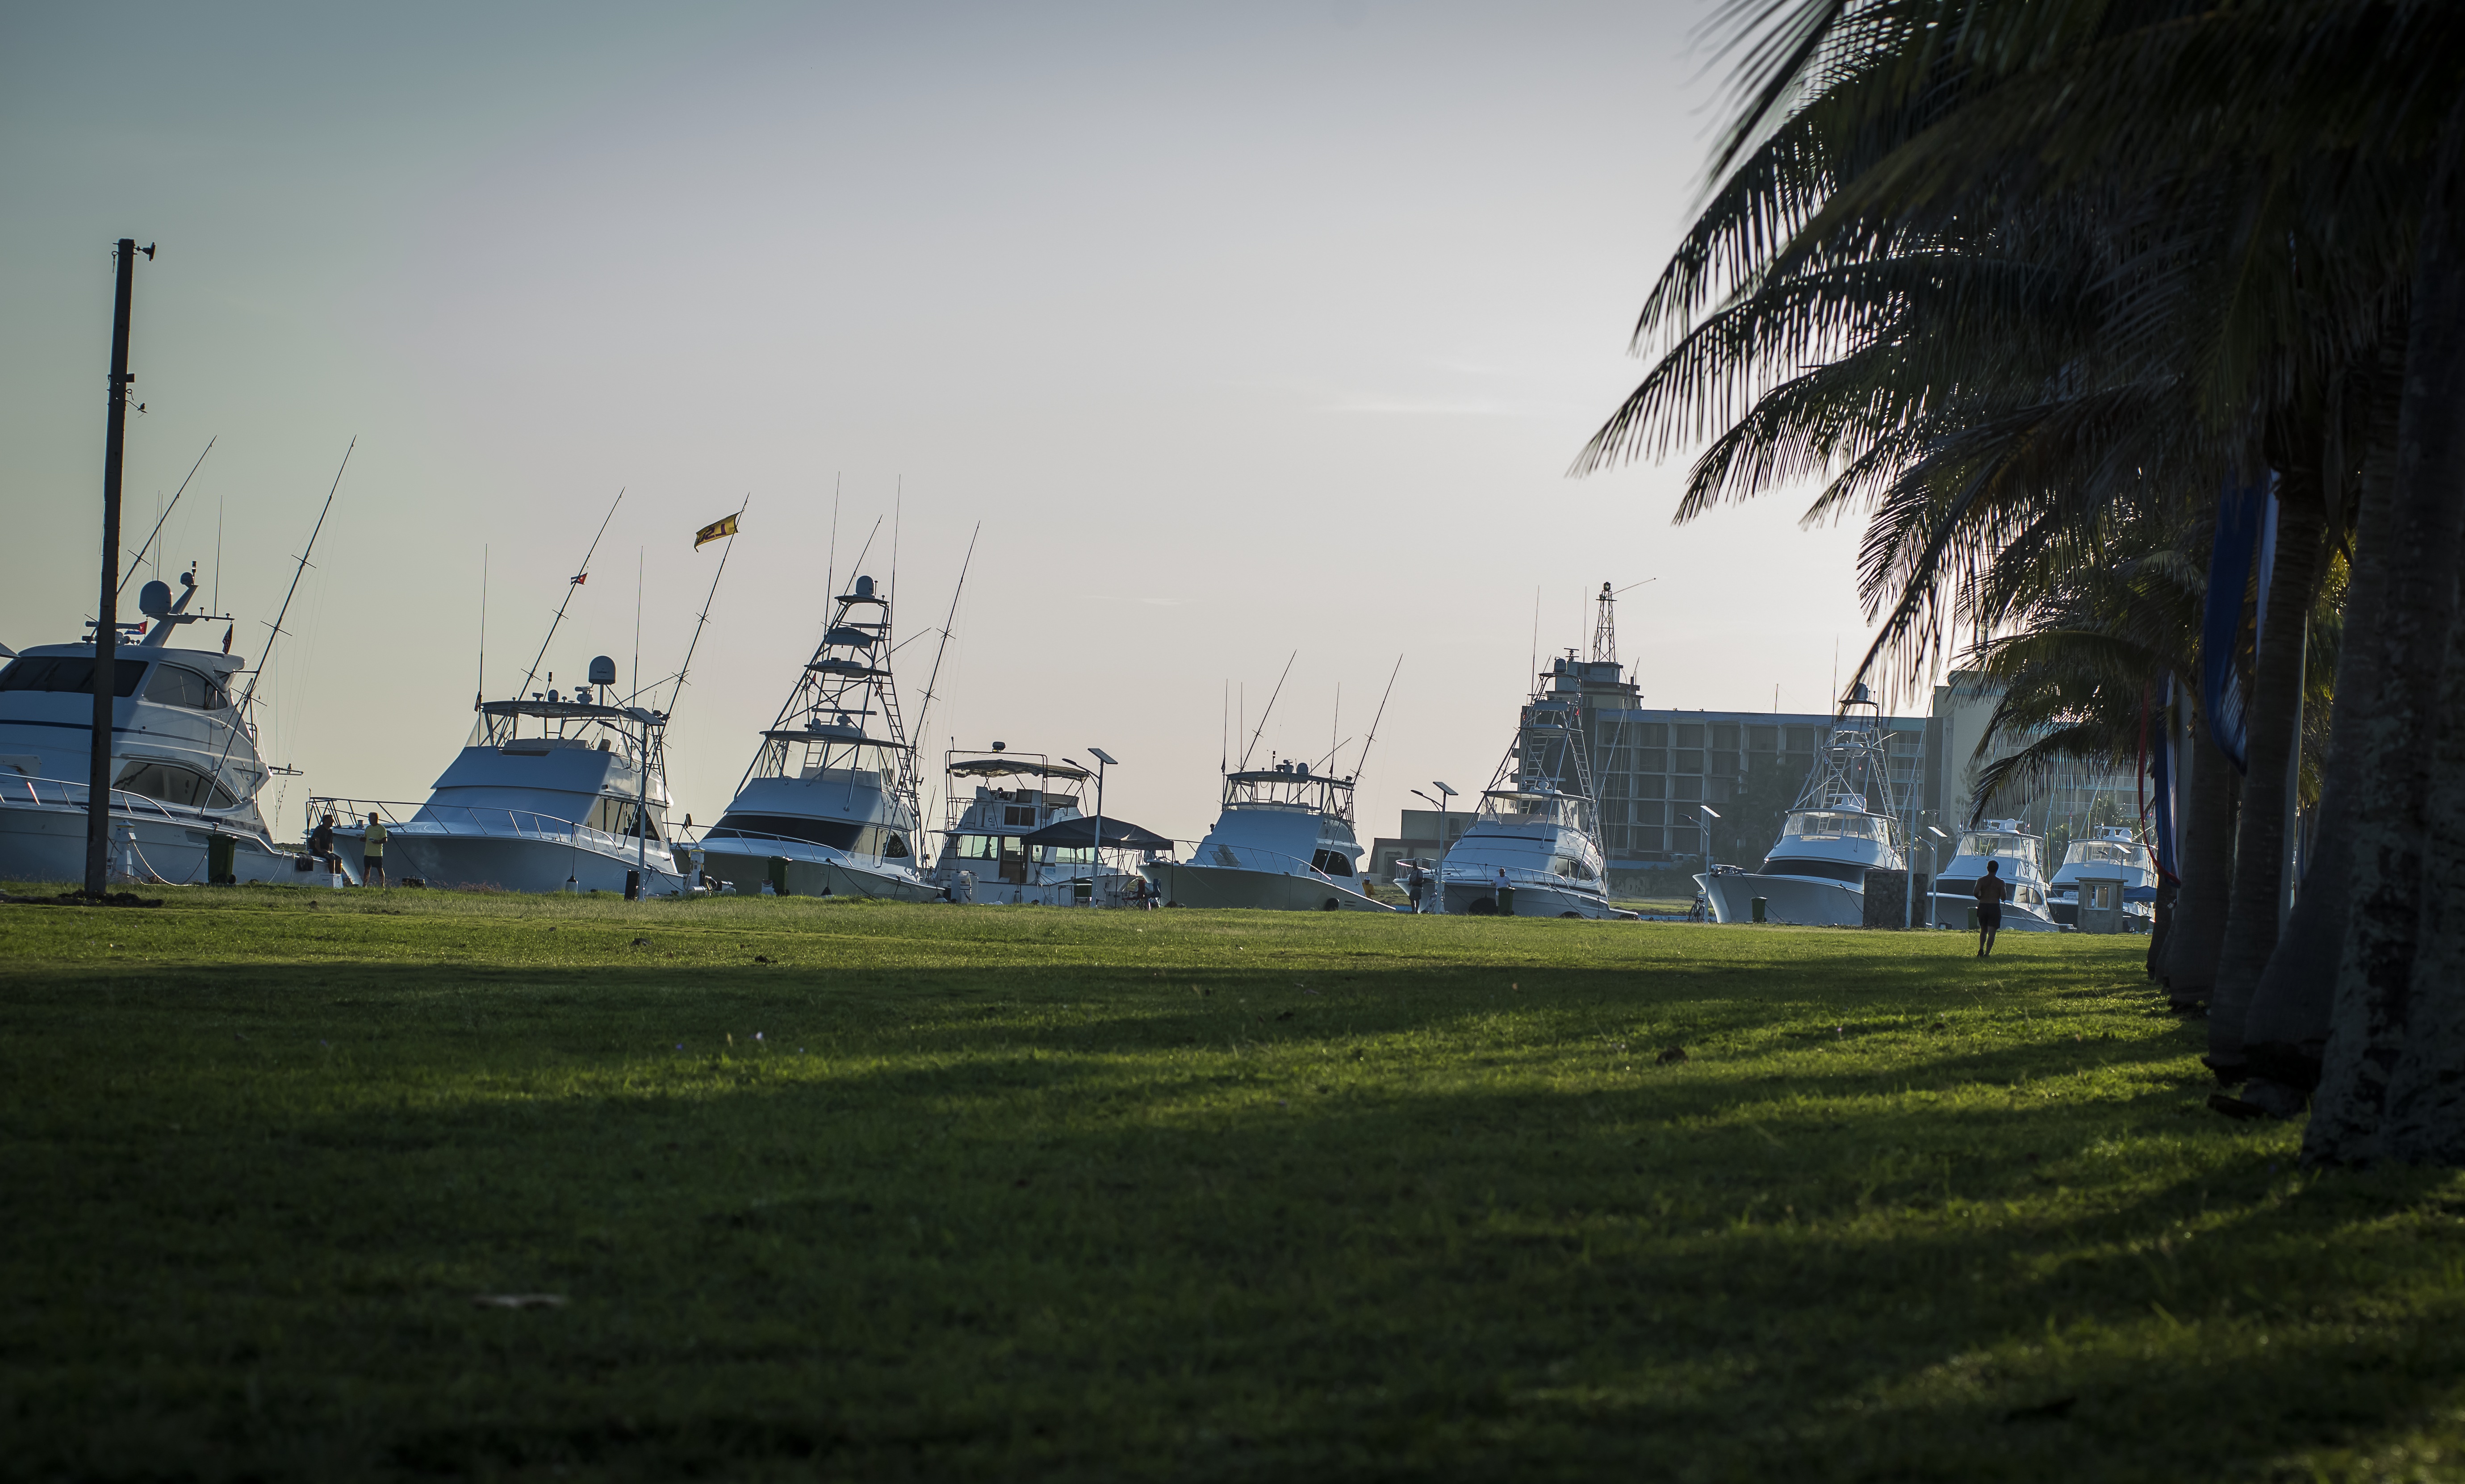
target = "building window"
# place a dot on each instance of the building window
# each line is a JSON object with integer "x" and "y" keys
{"x": 1651, "y": 760}
{"x": 1801, "y": 739}
{"x": 1644, "y": 842}
{"x": 1689, "y": 761}
{"x": 1724, "y": 736}
{"x": 1651, "y": 786}
{"x": 1650, "y": 813}
{"x": 1687, "y": 789}
{"x": 1764, "y": 739}
{"x": 1725, "y": 764}
{"x": 1690, "y": 734}
{"x": 1652, "y": 734}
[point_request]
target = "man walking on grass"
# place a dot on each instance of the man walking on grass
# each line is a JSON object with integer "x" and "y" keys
{"x": 373, "y": 874}
{"x": 1989, "y": 908}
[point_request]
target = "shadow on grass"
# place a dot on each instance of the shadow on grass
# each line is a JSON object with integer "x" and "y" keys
{"x": 1107, "y": 1245}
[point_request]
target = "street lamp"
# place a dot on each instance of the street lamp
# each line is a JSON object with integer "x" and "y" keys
{"x": 1096, "y": 854}
{"x": 1708, "y": 814}
{"x": 1934, "y": 871}
{"x": 1446, "y": 792}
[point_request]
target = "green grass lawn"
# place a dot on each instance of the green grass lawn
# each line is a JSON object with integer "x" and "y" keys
{"x": 951, "y": 1193}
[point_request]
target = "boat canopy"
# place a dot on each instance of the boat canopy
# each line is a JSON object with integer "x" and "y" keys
{"x": 572, "y": 711}
{"x": 1119, "y": 834}
{"x": 1837, "y": 825}
{"x": 1018, "y": 768}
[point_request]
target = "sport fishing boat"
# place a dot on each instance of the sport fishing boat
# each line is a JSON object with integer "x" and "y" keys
{"x": 551, "y": 793}
{"x": 2110, "y": 852}
{"x": 828, "y": 808}
{"x": 1814, "y": 876}
{"x": 2019, "y": 859}
{"x": 1533, "y": 849}
{"x": 1283, "y": 840}
{"x": 1002, "y": 810}
{"x": 185, "y": 771}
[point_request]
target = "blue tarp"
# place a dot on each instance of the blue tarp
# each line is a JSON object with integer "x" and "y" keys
{"x": 2245, "y": 525}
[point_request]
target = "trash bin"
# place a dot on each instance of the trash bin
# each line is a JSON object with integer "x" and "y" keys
{"x": 633, "y": 886}
{"x": 220, "y": 850}
{"x": 1506, "y": 902}
{"x": 779, "y": 876}
{"x": 1762, "y": 905}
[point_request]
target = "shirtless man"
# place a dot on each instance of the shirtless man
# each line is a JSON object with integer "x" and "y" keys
{"x": 1989, "y": 908}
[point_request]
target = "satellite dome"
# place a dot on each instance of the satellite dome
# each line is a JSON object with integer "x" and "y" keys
{"x": 603, "y": 670}
{"x": 154, "y": 600}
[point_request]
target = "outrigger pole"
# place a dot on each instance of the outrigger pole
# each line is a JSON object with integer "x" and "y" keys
{"x": 935, "y": 678}
{"x": 1270, "y": 711}
{"x": 248, "y": 697}
{"x": 140, "y": 558}
{"x": 576, "y": 582}
{"x": 677, "y": 692}
{"x": 1362, "y": 766}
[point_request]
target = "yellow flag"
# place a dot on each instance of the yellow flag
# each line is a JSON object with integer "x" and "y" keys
{"x": 714, "y": 532}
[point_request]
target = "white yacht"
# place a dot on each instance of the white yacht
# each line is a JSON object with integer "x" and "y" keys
{"x": 551, "y": 793}
{"x": 828, "y": 806}
{"x": 2110, "y": 851}
{"x": 1003, "y": 811}
{"x": 1814, "y": 875}
{"x": 1536, "y": 832}
{"x": 1284, "y": 840}
{"x": 2019, "y": 858}
{"x": 185, "y": 766}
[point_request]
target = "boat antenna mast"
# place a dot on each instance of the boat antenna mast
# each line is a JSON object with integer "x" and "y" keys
{"x": 166, "y": 516}
{"x": 576, "y": 581}
{"x": 1360, "y": 765}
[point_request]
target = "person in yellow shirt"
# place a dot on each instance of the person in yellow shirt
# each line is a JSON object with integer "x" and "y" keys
{"x": 373, "y": 874}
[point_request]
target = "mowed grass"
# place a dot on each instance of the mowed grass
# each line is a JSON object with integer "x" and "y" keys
{"x": 953, "y": 1194}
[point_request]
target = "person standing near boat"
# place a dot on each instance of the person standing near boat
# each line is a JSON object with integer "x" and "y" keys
{"x": 321, "y": 846}
{"x": 1989, "y": 908}
{"x": 373, "y": 874}
{"x": 1505, "y": 894}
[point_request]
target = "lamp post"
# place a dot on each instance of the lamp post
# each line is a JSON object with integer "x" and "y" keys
{"x": 1096, "y": 851}
{"x": 1705, "y": 814}
{"x": 1445, "y": 792}
{"x": 1934, "y": 869}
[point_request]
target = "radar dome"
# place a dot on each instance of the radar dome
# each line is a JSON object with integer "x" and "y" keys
{"x": 154, "y": 600}
{"x": 603, "y": 670}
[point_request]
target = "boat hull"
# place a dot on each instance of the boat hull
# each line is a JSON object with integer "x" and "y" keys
{"x": 44, "y": 842}
{"x": 1480, "y": 898}
{"x": 1798, "y": 902}
{"x": 1956, "y": 913}
{"x": 509, "y": 863}
{"x": 817, "y": 877}
{"x": 1184, "y": 885}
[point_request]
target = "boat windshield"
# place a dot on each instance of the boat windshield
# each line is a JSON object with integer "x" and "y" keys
{"x": 2102, "y": 853}
{"x": 1983, "y": 842}
{"x": 1834, "y": 825}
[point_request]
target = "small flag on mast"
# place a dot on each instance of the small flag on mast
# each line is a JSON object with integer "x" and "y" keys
{"x": 725, "y": 526}
{"x": 579, "y": 578}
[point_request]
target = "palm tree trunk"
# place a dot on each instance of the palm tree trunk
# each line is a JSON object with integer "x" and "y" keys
{"x": 2276, "y": 737}
{"x": 2288, "y": 1022}
{"x": 2207, "y": 855}
{"x": 2426, "y": 1117}
{"x": 2391, "y": 765}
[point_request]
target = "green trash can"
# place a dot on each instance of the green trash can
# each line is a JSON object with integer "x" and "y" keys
{"x": 1972, "y": 919}
{"x": 779, "y": 875}
{"x": 1762, "y": 904}
{"x": 221, "y": 850}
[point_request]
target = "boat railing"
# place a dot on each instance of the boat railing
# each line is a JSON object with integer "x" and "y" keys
{"x": 60, "y": 793}
{"x": 473, "y": 820}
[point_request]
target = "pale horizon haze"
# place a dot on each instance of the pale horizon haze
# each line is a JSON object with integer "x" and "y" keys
{"x": 1238, "y": 330}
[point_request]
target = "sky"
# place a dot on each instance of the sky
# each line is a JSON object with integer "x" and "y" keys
{"x": 1229, "y": 335}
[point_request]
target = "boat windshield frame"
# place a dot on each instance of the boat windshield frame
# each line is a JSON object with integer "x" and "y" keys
{"x": 2021, "y": 847}
{"x": 1881, "y": 831}
{"x": 1286, "y": 789}
{"x": 639, "y": 729}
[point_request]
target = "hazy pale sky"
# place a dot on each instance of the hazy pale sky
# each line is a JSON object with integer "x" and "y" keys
{"x": 1239, "y": 330}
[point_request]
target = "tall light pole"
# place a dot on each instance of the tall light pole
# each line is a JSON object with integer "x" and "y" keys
{"x": 1934, "y": 869}
{"x": 1445, "y": 792}
{"x": 1096, "y": 854}
{"x": 106, "y": 618}
{"x": 1707, "y": 814}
